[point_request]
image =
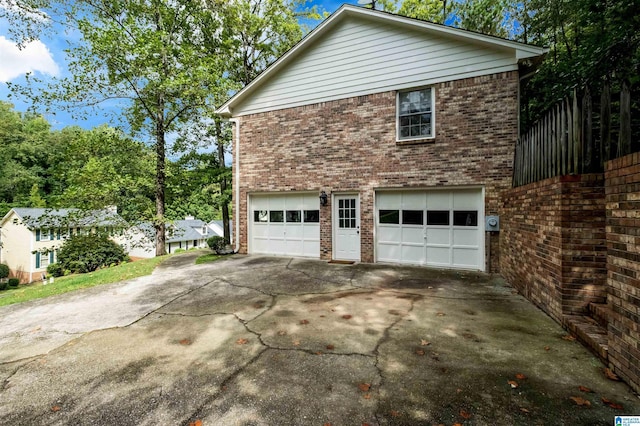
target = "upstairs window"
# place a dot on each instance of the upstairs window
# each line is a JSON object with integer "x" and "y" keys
{"x": 415, "y": 114}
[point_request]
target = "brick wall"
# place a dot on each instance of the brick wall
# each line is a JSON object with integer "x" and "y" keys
{"x": 553, "y": 243}
{"x": 350, "y": 145}
{"x": 623, "y": 266}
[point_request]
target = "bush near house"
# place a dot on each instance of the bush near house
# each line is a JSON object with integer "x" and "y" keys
{"x": 4, "y": 285}
{"x": 86, "y": 253}
{"x": 55, "y": 270}
{"x": 216, "y": 243}
{"x": 13, "y": 282}
{"x": 4, "y": 271}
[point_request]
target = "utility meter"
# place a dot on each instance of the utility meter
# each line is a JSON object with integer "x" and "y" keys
{"x": 492, "y": 223}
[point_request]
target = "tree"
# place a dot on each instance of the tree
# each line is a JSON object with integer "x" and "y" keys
{"x": 148, "y": 55}
{"x": 428, "y": 10}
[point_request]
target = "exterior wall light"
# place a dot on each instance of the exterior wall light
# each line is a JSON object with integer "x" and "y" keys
{"x": 323, "y": 198}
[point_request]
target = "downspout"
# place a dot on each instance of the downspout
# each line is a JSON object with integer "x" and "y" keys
{"x": 31, "y": 257}
{"x": 236, "y": 184}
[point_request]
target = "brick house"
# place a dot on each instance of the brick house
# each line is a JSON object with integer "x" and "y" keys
{"x": 407, "y": 126}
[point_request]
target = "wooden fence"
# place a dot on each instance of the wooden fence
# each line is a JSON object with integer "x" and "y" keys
{"x": 571, "y": 139}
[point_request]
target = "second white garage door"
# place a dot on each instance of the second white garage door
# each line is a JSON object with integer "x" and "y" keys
{"x": 285, "y": 224}
{"x": 435, "y": 228}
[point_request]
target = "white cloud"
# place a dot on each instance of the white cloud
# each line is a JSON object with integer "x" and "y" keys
{"x": 15, "y": 62}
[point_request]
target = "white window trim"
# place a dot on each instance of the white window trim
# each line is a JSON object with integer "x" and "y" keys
{"x": 45, "y": 234}
{"x": 44, "y": 259}
{"x": 433, "y": 115}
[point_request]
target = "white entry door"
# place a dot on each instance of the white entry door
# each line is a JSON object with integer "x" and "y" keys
{"x": 346, "y": 225}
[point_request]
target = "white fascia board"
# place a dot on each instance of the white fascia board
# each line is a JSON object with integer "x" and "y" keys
{"x": 521, "y": 50}
{"x": 8, "y": 215}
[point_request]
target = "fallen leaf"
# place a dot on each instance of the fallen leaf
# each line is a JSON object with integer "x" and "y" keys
{"x": 185, "y": 342}
{"x": 611, "y": 404}
{"x": 547, "y": 348}
{"x": 584, "y": 389}
{"x": 424, "y": 342}
{"x": 364, "y": 387}
{"x": 296, "y": 343}
{"x": 330, "y": 347}
{"x": 458, "y": 390}
{"x": 569, "y": 338}
{"x": 457, "y": 424}
{"x": 347, "y": 316}
{"x": 366, "y": 424}
{"x": 420, "y": 352}
{"x": 55, "y": 408}
{"x": 327, "y": 424}
{"x": 367, "y": 396}
{"x": 242, "y": 341}
{"x": 282, "y": 333}
{"x": 224, "y": 387}
{"x": 465, "y": 414}
{"x": 580, "y": 401}
{"x": 440, "y": 314}
{"x": 319, "y": 353}
{"x": 520, "y": 376}
{"x": 394, "y": 413}
{"x": 196, "y": 423}
{"x": 513, "y": 383}
{"x": 259, "y": 304}
{"x": 304, "y": 321}
{"x": 524, "y": 410}
{"x": 611, "y": 375}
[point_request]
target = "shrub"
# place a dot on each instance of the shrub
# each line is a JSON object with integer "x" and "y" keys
{"x": 55, "y": 269}
{"x": 13, "y": 282}
{"x": 4, "y": 271}
{"x": 3, "y": 285}
{"x": 86, "y": 253}
{"x": 180, "y": 250}
{"x": 216, "y": 243}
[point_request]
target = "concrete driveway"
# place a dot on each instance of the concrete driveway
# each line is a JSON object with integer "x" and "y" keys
{"x": 278, "y": 341}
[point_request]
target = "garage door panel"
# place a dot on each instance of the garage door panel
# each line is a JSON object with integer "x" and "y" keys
{"x": 466, "y": 200}
{"x": 260, "y": 230}
{"x": 388, "y": 252}
{"x": 413, "y": 254}
{"x": 466, "y": 237}
{"x": 413, "y": 201}
{"x": 438, "y": 255}
{"x": 438, "y": 200}
{"x": 439, "y": 236}
{"x": 311, "y": 232}
{"x": 464, "y": 257}
{"x": 279, "y": 227}
{"x": 389, "y": 234}
{"x": 412, "y": 235}
{"x": 450, "y": 222}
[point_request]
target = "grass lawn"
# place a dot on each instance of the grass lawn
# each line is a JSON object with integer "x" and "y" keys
{"x": 207, "y": 258}
{"x": 74, "y": 282}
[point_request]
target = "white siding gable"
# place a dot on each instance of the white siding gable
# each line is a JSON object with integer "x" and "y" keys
{"x": 359, "y": 56}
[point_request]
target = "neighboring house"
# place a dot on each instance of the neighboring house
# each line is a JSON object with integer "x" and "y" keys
{"x": 409, "y": 127}
{"x": 217, "y": 226}
{"x": 181, "y": 234}
{"x": 30, "y": 237}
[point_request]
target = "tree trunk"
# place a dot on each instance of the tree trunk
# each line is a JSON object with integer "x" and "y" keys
{"x": 160, "y": 178}
{"x": 223, "y": 182}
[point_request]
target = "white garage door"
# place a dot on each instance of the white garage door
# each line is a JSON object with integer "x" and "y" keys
{"x": 285, "y": 225}
{"x": 435, "y": 228}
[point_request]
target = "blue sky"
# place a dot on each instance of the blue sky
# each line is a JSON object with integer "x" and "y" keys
{"x": 45, "y": 58}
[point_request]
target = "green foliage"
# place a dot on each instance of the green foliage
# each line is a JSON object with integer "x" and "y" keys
{"x": 428, "y": 10}
{"x": 216, "y": 243}
{"x": 180, "y": 250}
{"x": 4, "y": 271}
{"x": 55, "y": 269}
{"x": 121, "y": 272}
{"x": 4, "y": 285}
{"x": 207, "y": 258}
{"x": 86, "y": 253}
{"x": 13, "y": 282}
